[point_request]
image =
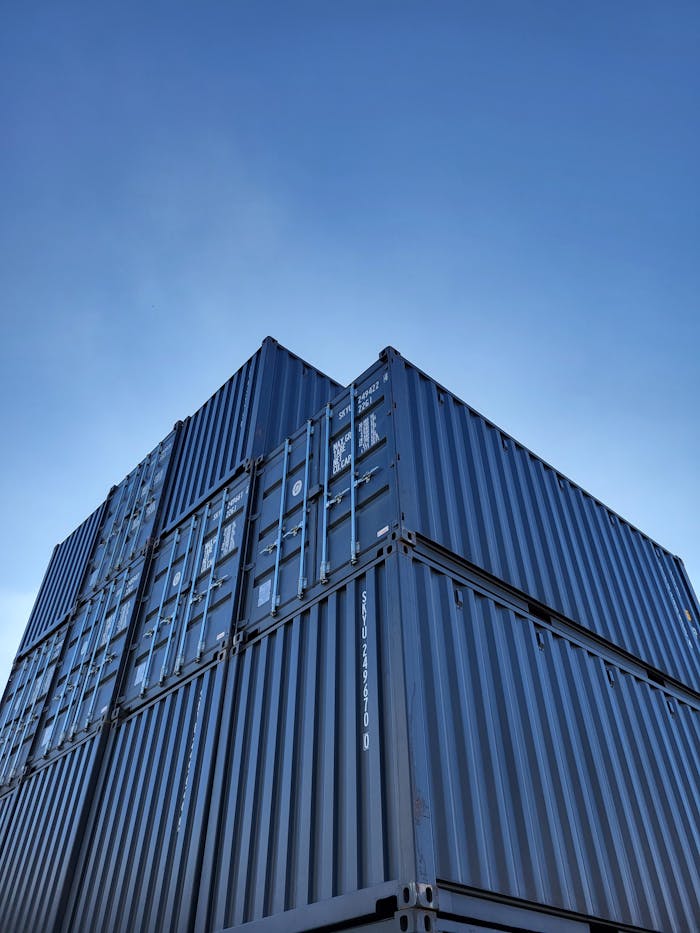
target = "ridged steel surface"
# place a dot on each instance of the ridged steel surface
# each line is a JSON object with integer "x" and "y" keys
{"x": 408, "y": 456}
{"x": 265, "y": 400}
{"x": 83, "y": 691}
{"x": 442, "y": 672}
{"x": 552, "y": 775}
{"x": 24, "y": 702}
{"x": 311, "y": 795}
{"x": 139, "y": 863}
{"x": 62, "y": 580}
{"x": 38, "y": 841}
{"x": 7, "y": 804}
{"x": 186, "y": 614}
{"x": 130, "y": 517}
{"x": 473, "y": 489}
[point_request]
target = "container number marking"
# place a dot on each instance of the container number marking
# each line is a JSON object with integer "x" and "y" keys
{"x": 364, "y": 680}
{"x": 367, "y": 437}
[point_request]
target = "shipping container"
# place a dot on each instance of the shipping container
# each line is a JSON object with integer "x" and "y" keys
{"x": 397, "y": 454}
{"x": 396, "y": 674}
{"x": 141, "y": 850}
{"x": 187, "y": 612}
{"x": 62, "y": 581}
{"x": 267, "y": 399}
{"x": 129, "y": 520}
{"x": 95, "y": 651}
{"x": 24, "y": 702}
{"x": 312, "y": 796}
{"x": 39, "y": 838}
{"x": 410, "y": 725}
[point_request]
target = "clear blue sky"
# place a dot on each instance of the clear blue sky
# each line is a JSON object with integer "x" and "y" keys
{"x": 506, "y": 192}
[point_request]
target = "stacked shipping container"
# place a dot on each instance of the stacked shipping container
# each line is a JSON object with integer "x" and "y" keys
{"x": 396, "y": 672}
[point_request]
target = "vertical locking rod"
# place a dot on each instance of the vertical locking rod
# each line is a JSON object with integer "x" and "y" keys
{"x": 156, "y": 627}
{"x": 280, "y": 523}
{"x": 71, "y": 666}
{"x": 131, "y": 501}
{"x": 353, "y": 488}
{"x": 105, "y": 653}
{"x": 94, "y": 641}
{"x": 325, "y": 567}
{"x": 301, "y": 586}
{"x": 17, "y": 715}
{"x": 30, "y": 717}
{"x": 176, "y": 608}
{"x": 180, "y": 659}
{"x": 210, "y": 582}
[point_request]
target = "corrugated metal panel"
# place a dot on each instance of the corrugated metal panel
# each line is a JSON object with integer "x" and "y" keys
{"x": 39, "y": 839}
{"x": 130, "y": 517}
{"x": 476, "y": 491}
{"x": 62, "y": 580}
{"x": 24, "y": 702}
{"x": 456, "y": 480}
{"x": 552, "y": 775}
{"x": 83, "y": 691}
{"x": 187, "y": 612}
{"x": 311, "y": 796}
{"x": 265, "y": 400}
{"x": 139, "y": 866}
{"x": 7, "y": 804}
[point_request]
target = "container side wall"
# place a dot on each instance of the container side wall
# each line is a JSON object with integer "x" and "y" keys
{"x": 311, "y": 796}
{"x": 7, "y": 805}
{"x": 38, "y": 845}
{"x": 475, "y": 491}
{"x": 141, "y": 852}
{"x": 62, "y": 581}
{"x": 267, "y": 399}
{"x": 554, "y": 777}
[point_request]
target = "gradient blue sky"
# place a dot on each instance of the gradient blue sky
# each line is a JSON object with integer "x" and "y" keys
{"x": 506, "y": 192}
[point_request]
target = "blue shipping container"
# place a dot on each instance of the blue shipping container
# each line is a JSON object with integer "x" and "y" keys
{"x": 130, "y": 517}
{"x": 267, "y": 399}
{"x": 23, "y": 702}
{"x": 398, "y": 455}
{"x": 62, "y": 581}
{"x": 186, "y": 615}
{"x": 83, "y": 691}
{"x": 409, "y": 725}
